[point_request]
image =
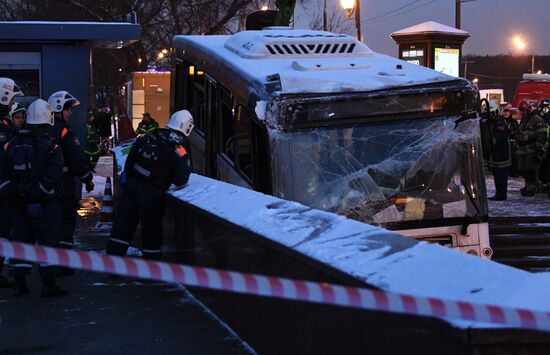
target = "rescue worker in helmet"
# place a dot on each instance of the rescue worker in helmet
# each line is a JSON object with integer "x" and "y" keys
{"x": 34, "y": 166}
{"x": 156, "y": 161}
{"x": 75, "y": 165}
{"x": 544, "y": 113}
{"x": 147, "y": 124}
{"x": 8, "y": 90}
{"x": 513, "y": 127}
{"x": 17, "y": 116}
{"x": 531, "y": 142}
{"x": 499, "y": 159}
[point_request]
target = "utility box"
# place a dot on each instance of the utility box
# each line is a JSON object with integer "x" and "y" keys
{"x": 432, "y": 45}
{"x": 150, "y": 92}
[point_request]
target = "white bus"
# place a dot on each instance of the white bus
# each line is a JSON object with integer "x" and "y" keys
{"x": 319, "y": 118}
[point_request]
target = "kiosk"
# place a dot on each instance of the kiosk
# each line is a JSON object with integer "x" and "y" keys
{"x": 432, "y": 45}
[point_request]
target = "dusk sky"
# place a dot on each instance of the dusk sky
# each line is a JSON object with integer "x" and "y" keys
{"x": 491, "y": 23}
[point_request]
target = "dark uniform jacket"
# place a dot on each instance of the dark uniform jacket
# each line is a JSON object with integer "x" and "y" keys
{"x": 173, "y": 166}
{"x": 48, "y": 185}
{"x": 92, "y": 140}
{"x": 75, "y": 163}
{"x": 532, "y": 135}
{"x": 148, "y": 127}
{"x": 5, "y": 131}
{"x": 500, "y": 156}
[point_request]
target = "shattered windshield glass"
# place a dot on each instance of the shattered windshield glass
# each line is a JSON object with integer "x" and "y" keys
{"x": 384, "y": 172}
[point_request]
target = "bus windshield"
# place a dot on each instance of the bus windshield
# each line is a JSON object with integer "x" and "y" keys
{"x": 384, "y": 173}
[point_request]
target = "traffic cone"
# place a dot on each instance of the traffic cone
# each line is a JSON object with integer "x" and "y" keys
{"x": 107, "y": 213}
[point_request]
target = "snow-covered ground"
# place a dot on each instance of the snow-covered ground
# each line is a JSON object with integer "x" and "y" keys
{"x": 517, "y": 205}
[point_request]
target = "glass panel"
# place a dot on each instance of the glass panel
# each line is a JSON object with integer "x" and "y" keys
{"x": 244, "y": 141}
{"x": 384, "y": 172}
{"x": 227, "y": 124}
{"x": 28, "y": 81}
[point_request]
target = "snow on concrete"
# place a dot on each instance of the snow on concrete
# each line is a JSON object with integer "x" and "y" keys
{"x": 376, "y": 256}
{"x": 517, "y": 205}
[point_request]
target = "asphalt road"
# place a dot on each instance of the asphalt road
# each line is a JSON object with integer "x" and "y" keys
{"x": 104, "y": 314}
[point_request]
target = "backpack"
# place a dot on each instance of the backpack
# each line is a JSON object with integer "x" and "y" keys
{"x": 26, "y": 159}
{"x": 150, "y": 159}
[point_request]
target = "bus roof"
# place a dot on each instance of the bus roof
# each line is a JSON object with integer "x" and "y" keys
{"x": 301, "y": 61}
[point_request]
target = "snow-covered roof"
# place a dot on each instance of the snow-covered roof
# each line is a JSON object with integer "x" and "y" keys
{"x": 244, "y": 57}
{"x": 430, "y": 27}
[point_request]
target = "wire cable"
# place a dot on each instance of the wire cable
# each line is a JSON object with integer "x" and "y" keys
{"x": 396, "y": 12}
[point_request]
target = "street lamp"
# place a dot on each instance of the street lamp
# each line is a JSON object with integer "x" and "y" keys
{"x": 520, "y": 45}
{"x": 353, "y": 7}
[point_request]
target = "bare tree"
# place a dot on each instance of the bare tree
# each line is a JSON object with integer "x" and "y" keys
{"x": 337, "y": 21}
{"x": 160, "y": 21}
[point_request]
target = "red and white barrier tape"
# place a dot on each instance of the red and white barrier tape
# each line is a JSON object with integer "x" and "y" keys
{"x": 277, "y": 287}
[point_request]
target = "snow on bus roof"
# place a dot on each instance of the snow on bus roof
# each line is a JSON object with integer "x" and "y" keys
{"x": 303, "y": 67}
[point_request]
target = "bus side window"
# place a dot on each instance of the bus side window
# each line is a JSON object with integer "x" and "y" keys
{"x": 196, "y": 98}
{"x": 227, "y": 124}
{"x": 244, "y": 141}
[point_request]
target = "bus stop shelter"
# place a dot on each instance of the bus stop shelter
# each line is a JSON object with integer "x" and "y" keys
{"x": 44, "y": 57}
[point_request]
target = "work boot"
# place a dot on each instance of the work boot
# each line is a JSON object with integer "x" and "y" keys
{"x": 497, "y": 198}
{"x": 51, "y": 289}
{"x": 20, "y": 288}
{"x": 5, "y": 282}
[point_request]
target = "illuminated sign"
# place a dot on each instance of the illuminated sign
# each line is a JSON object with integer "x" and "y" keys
{"x": 447, "y": 61}
{"x": 414, "y": 56}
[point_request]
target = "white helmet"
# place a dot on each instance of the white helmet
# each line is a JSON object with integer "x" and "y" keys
{"x": 40, "y": 112}
{"x": 16, "y": 107}
{"x": 8, "y": 89}
{"x": 58, "y": 100}
{"x": 181, "y": 121}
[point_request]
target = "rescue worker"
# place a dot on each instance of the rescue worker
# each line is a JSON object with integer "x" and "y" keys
{"x": 513, "y": 127}
{"x": 91, "y": 149}
{"x": 156, "y": 160}
{"x": 8, "y": 90}
{"x": 499, "y": 160}
{"x": 75, "y": 164}
{"x": 531, "y": 142}
{"x": 17, "y": 116}
{"x": 544, "y": 112}
{"x": 147, "y": 124}
{"x": 34, "y": 166}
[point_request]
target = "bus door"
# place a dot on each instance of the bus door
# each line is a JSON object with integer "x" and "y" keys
{"x": 190, "y": 94}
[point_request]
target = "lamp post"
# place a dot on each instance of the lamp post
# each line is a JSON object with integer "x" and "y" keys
{"x": 458, "y": 6}
{"x": 353, "y": 7}
{"x": 520, "y": 45}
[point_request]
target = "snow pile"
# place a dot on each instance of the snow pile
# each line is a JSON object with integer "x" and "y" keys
{"x": 374, "y": 255}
